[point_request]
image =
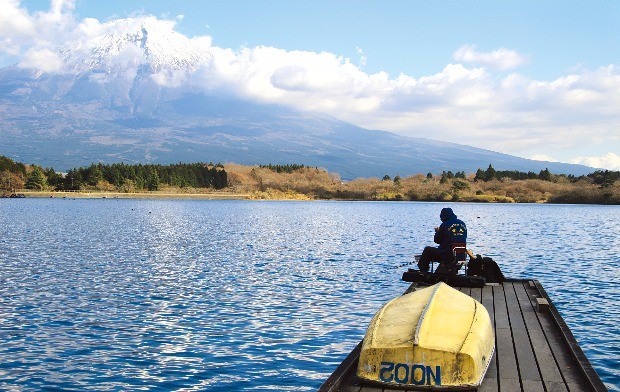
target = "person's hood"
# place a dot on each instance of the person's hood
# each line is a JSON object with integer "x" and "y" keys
{"x": 446, "y": 214}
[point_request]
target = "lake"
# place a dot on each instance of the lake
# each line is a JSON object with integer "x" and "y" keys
{"x": 110, "y": 294}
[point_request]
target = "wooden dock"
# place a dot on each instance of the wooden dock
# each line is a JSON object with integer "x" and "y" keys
{"x": 534, "y": 348}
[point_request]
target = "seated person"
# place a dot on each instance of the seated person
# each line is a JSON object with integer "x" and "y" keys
{"x": 451, "y": 233}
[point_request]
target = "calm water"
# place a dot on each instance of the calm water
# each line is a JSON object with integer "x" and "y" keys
{"x": 237, "y": 295}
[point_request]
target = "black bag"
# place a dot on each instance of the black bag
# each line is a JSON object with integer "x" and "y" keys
{"x": 486, "y": 267}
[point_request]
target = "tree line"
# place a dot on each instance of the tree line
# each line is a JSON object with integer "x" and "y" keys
{"x": 287, "y": 168}
{"x": 300, "y": 181}
{"x": 604, "y": 178}
{"x": 116, "y": 176}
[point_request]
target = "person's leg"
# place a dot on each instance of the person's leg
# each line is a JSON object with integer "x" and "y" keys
{"x": 429, "y": 254}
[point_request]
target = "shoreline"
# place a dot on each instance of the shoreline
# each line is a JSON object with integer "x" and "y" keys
{"x": 134, "y": 195}
{"x": 283, "y": 196}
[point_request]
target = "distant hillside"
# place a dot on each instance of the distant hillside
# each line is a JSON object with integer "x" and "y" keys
{"x": 107, "y": 110}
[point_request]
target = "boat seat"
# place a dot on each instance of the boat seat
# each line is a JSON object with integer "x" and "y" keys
{"x": 459, "y": 254}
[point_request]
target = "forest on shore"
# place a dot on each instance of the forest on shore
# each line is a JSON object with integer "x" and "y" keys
{"x": 296, "y": 181}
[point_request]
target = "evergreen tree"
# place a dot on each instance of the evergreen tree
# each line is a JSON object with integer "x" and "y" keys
{"x": 73, "y": 179}
{"x": 113, "y": 175}
{"x": 459, "y": 185}
{"x": 220, "y": 179}
{"x": 54, "y": 179}
{"x": 289, "y": 168}
{"x": 140, "y": 177}
{"x": 36, "y": 180}
{"x": 445, "y": 176}
{"x": 12, "y": 166}
{"x": 480, "y": 175}
{"x": 153, "y": 180}
{"x": 95, "y": 174}
{"x": 545, "y": 175}
{"x": 490, "y": 173}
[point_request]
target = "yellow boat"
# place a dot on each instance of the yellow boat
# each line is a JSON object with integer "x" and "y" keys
{"x": 432, "y": 338}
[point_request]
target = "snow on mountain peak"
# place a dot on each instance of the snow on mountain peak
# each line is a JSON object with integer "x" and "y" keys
{"x": 127, "y": 44}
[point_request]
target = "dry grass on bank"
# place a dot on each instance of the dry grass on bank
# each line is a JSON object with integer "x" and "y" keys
{"x": 318, "y": 184}
{"x": 253, "y": 182}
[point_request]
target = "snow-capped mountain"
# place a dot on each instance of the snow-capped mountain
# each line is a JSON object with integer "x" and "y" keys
{"x": 133, "y": 43}
{"x": 126, "y": 95}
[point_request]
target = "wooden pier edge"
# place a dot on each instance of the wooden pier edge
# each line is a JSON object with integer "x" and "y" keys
{"x": 584, "y": 364}
{"x": 344, "y": 374}
{"x": 349, "y": 364}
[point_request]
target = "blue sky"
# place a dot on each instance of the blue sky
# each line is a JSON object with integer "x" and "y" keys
{"x": 412, "y": 37}
{"x": 537, "y": 79}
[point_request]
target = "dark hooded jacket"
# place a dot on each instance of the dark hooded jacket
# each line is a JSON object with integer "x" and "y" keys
{"x": 452, "y": 230}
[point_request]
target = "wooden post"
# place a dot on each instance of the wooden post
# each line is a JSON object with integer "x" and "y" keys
{"x": 542, "y": 305}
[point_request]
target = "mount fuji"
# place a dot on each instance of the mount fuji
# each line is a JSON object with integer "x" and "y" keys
{"x": 128, "y": 94}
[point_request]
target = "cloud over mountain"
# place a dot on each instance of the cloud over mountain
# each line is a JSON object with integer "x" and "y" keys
{"x": 608, "y": 160}
{"x": 124, "y": 43}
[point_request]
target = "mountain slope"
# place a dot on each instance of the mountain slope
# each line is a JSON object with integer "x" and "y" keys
{"x": 123, "y": 44}
{"x": 125, "y": 96}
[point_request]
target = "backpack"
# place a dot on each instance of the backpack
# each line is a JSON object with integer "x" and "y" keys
{"x": 486, "y": 267}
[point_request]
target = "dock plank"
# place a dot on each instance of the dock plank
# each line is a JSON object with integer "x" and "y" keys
{"x": 501, "y": 312}
{"x": 508, "y": 373}
{"x": 532, "y": 351}
{"x": 465, "y": 290}
{"x": 526, "y": 359}
{"x": 488, "y": 385}
{"x": 532, "y": 385}
{"x": 550, "y": 372}
{"x": 350, "y": 383}
{"x": 570, "y": 370}
{"x": 374, "y": 389}
{"x": 491, "y": 380}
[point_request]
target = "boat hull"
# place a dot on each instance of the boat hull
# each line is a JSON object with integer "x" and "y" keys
{"x": 433, "y": 338}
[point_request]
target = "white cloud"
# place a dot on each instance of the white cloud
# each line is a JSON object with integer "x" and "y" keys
{"x": 543, "y": 157}
{"x": 16, "y": 27}
{"x": 608, "y": 161}
{"x": 305, "y": 80}
{"x": 89, "y": 28}
{"x": 362, "y": 59}
{"x": 44, "y": 60}
{"x": 40, "y": 30}
{"x": 462, "y": 103}
{"x": 54, "y": 26}
{"x": 501, "y": 59}
{"x": 60, "y": 8}
{"x": 170, "y": 78}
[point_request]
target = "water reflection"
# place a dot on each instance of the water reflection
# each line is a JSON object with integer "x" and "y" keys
{"x": 235, "y": 295}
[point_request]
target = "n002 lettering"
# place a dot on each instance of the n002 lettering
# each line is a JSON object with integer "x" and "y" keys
{"x": 416, "y": 374}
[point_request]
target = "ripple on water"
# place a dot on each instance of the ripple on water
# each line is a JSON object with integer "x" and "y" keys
{"x": 237, "y": 295}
